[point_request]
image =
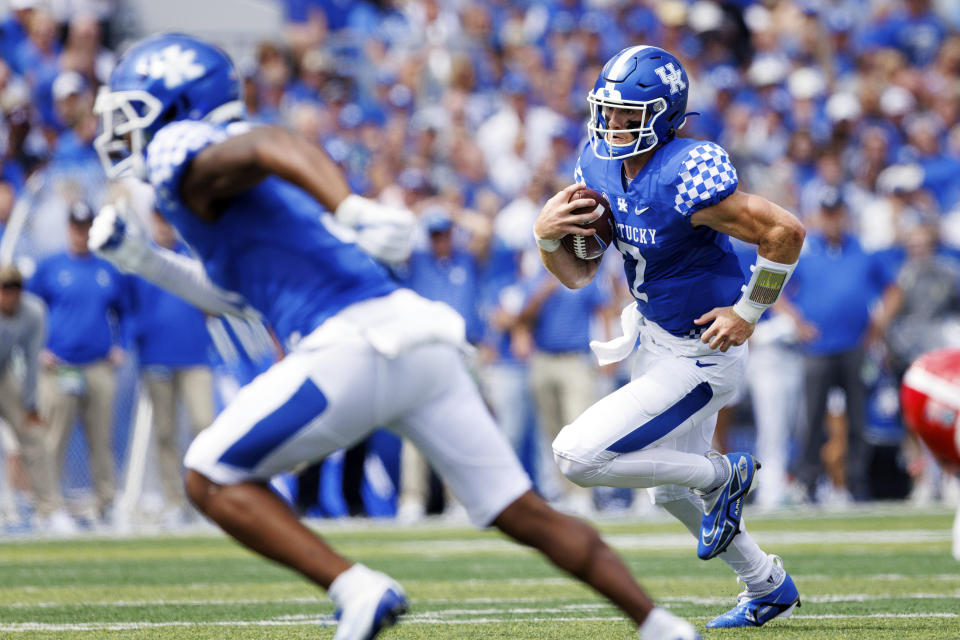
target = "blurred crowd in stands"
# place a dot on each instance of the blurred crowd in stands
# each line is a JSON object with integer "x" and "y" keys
{"x": 471, "y": 113}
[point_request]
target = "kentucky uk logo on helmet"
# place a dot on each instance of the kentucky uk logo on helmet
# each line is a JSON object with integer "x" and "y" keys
{"x": 174, "y": 64}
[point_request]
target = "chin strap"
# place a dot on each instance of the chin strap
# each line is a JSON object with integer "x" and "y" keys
{"x": 683, "y": 121}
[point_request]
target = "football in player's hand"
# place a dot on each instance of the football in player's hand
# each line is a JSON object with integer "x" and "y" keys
{"x": 591, "y": 247}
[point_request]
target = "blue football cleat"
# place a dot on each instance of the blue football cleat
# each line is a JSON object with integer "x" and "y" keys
{"x": 363, "y": 618}
{"x": 757, "y": 608}
{"x": 722, "y": 522}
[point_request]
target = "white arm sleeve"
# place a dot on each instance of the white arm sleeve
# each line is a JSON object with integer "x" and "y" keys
{"x": 119, "y": 239}
{"x": 185, "y": 277}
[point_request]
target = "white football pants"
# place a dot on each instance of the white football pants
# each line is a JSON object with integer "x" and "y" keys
{"x": 335, "y": 388}
{"x": 653, "y": 433}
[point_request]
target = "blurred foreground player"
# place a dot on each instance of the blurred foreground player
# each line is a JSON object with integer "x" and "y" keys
{"x": 362, "y": 352}
{"x": 930, "y": 401}
{"x": 674, "y": 202}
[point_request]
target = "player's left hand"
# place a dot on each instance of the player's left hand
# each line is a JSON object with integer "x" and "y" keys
{"x": 727, "y": 329}
{"x": 117, "y": 237}
{"x": 386, "y": 233}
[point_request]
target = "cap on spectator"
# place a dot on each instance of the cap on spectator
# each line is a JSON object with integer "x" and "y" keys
{"x": 724, "y": 77}
{"x": 437, "y": 221}
{"x": 924, "y": 122}
{"x": 19, "y": 5}
{"x": 316, "y": 61}
{"x": 806, "y": 83}
{"x": 10, "y": 275}
{"x": 843, "y": 106}
{"x": 897, "y": 101}
{"x": 900, "y": 178}
{"x": 767, "y": 70}
{"x": 809, "y": 7}
{"x": 351, "y": 116}
{"x": 15, "y": 97}
{"x": 840, "y": 19}
{"x": 672, "y": 13}
{"x": 80, "y": 213}
{"x": 704, "y": 17}
{"x": 400, "y": 96}
{"x": 68, "y": 83}
{"x": 413, "y": 179}
{"x": 758, "y": 18}
{"x": 831, "y": 200}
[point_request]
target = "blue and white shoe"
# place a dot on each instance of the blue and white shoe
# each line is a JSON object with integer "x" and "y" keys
{"x": 375, "y": 609}
{"x": 756, "y": 608}
{"x": 722, "y": 522}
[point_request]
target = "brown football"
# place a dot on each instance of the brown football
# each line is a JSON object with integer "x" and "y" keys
{"x": 591, "y": 247}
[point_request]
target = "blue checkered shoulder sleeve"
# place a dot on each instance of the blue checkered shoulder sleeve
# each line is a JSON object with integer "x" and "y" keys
{"x": 705, "y": 177}
{"x": 170, "y": 152}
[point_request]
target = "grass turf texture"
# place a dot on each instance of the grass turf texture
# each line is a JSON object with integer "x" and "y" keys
{"x": 876, "y": 573}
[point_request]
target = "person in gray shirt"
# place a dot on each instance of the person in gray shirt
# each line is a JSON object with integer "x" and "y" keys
{"x": 23, "y": 326}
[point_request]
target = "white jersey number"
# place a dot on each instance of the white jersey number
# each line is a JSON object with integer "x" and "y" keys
{"x": 634, "y": 253}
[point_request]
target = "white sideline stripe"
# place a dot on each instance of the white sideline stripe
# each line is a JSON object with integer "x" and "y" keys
{"x": 702, "y": 600}
{"x": 421, "y": 619}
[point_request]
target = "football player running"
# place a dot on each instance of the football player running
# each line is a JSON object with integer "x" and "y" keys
{"x": 675, "y": 201}
{"x": 253, "y": 204}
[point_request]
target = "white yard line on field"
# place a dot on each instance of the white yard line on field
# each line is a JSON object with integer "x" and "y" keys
{"x": 700, "y": 600}
{"x": 425, "y": 618}
{"x": 642, "y": 541}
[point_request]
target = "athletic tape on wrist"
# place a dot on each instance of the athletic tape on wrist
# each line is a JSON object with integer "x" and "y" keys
{"x": 767, "y": 280}
{"x": 547, "y": 244}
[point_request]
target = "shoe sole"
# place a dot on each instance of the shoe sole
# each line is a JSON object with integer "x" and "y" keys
{"x": 787, "y": 612}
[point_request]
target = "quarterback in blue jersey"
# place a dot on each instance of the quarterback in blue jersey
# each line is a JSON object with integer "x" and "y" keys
{"x": 253, "y": 205}
{"x": 675, "y": 202}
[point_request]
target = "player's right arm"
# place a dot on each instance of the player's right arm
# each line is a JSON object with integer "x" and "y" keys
{"x": 205, "y": 168}
{"x": 229, "y": 167}
{"x": 555, "y": 221}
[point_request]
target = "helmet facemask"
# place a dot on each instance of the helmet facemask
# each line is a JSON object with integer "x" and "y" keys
{"x": 125, "y": 117}
{"x": 640, "y": 132}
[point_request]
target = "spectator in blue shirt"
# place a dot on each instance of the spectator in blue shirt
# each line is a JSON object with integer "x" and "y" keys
{"x": 832, "y": 291}
{"x": 447, "y": 273}
{"x": 916, "y": 31}
{"x": 13, "y": 29}
{"x": 174, "y": 352}
{"x": 86, "y": 298}
{"x": 562, "y": 375}
{"x": 37, "y": 55}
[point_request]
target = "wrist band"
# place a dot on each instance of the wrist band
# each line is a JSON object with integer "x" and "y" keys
{"x": 547, "y": 244}
{"x": 766, "y": 282}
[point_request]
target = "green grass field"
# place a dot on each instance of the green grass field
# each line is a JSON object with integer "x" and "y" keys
{"x": 882, "y": 572}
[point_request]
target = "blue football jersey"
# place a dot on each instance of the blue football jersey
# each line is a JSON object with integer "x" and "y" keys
{"x": 273, "y": 244}
{"x": 676, "y": 272}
